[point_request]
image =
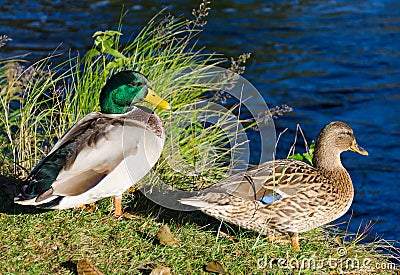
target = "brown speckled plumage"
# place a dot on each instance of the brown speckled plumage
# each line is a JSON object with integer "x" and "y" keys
{"x": 309, "y": 196}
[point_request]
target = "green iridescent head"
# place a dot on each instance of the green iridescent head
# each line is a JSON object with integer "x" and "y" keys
{"x": 126, "y": 88}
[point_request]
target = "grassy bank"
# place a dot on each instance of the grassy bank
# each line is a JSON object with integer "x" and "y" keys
{"x": 53, "y": 242}
{"x": 40, "y": 102}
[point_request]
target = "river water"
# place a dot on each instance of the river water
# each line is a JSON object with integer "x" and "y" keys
{"x": 329, "y": 60}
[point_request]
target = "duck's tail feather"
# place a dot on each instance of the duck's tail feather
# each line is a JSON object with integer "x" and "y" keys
{"x": 9, "y": 186}
{"x": 49, "y": 203}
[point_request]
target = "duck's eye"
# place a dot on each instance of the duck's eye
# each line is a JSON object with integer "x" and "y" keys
{"x": 344, "y": 135}
{"x": 136, "y": 84}
{"x": 347, "y": 133}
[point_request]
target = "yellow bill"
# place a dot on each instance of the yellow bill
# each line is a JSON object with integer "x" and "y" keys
{"x": 156, "y": 100}
{"x": 358, "y": 149}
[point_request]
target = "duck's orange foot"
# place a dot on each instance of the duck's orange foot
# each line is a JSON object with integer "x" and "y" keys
{"x": 117, "y": 206}
{"x": 294, "y": 237}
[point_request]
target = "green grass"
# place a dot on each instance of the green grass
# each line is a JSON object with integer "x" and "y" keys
{"x": 40, "y": 102}
{"x": 52, "y": 242}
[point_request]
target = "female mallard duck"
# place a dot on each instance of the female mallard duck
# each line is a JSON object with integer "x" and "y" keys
{"x": 104, "y": 153}
{"x": 287, "y": 196}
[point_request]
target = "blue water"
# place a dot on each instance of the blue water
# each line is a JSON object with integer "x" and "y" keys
{"x": 329, "y": 60}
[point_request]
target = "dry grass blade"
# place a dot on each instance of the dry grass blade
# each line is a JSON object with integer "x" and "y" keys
{"x": 90, "y": 208}
{"x": 339, "y": 241}
{"x": 128, "y": 216}
{"x": 85, "y": 267}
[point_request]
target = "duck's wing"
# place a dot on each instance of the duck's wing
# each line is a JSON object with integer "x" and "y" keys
{"x": 75, "y": 131}
{"x": 46, "y": 171}
{"x": 274, "y": 180}
{"x": 275, "y": 197}
{"x": 286, "y": 177}
{"x": 91, "y": 149}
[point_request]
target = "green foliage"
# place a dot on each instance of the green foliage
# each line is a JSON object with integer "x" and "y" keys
{"x": 105, "y": 44}
{"x": 305, "y": 157}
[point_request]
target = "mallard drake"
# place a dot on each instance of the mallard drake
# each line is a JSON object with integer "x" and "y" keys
{"x": 104, "y": 153}
{"x": 287, "y": 196}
